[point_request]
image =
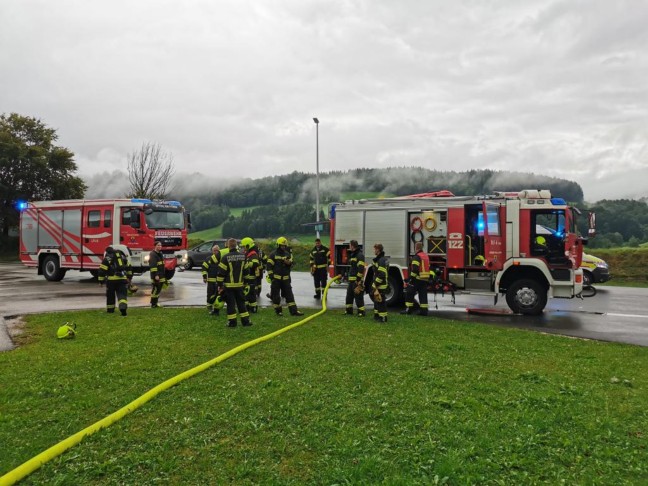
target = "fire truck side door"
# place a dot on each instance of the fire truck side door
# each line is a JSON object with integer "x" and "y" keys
{"x": 573, "y": 243}
{"x": 96, "y": 235}
{"x": 494, "y": 236}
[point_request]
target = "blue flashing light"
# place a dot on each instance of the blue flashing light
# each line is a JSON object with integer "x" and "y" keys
{"x": 174, "y": 203}
{"x": 21, "y": 205}
{"x": 143, "y": 201}
{"x": 558, "y": 201}
{"x": 479, "y": 225}
{"x": 332, "y": 214}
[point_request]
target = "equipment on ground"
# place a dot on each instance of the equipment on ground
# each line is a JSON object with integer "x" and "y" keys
{"x": 66, "y": 331}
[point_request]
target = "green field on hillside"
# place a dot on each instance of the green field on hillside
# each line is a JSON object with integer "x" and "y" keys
{"x": 346, "y": 196}
{"x": 335, "y": 401}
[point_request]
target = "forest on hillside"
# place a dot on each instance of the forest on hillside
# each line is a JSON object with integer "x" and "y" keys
{"x": 282, "y": 204}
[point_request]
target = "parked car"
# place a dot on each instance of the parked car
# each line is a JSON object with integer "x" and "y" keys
{"x": 196, "y": 256}
{"x": 595, "y": 270}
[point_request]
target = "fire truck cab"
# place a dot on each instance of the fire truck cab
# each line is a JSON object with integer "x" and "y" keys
{"x": 56, "y": 236}
{"x": 486, "y": 245}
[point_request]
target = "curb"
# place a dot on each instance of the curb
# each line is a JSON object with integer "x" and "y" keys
{"x": 6, "y": 344}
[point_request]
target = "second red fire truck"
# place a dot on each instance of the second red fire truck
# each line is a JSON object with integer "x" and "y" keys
{"x": 487, "y": 245}
{"x": 57, "y": 236}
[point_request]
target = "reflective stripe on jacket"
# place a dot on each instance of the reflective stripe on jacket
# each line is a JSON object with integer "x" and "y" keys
{"x": 420, "y": 266}
{"x": 230, "y": 270}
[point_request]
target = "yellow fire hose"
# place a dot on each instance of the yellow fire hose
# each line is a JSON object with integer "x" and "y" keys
{"x": 56, "y": 450}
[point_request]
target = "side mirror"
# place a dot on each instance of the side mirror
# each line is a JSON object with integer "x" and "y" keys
{"x": 188, "y": 220}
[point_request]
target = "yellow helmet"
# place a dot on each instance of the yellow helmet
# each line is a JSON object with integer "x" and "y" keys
{"x": 247, "y": 242}
{"x": 282, "y": 241}
{"x": 218, "y": 303}
{"x": 66, "y": 331}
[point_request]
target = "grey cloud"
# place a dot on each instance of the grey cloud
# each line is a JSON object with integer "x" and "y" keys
{"x": 231, "y": 87}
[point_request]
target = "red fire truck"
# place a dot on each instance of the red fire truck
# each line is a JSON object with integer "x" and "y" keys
{"x": 56, "y": 236}
{"x": 485, "y": 245}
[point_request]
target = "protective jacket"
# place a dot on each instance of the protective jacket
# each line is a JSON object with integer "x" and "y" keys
{"x": 279, "y": 263}
{"x": 420, "y": 267}
{"x": 380, "y": 271}
{"x": 319, "y": 257}
{"x": 210, "y": 267}
{"x": 252, "y": 266}
{"x": 115, "y": 267}
{"x": 231, "y": 270}
{"x": 357, "y": 265}
{"x": 156, "y": 265}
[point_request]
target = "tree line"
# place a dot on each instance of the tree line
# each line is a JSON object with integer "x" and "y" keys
{"x": 398, "y": 181}
{"x": 34, "y": 167}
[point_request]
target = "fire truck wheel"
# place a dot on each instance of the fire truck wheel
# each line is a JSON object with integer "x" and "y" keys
{"x": 587, "y": 279}
{"x": 52, "y": 269}
{"x": 168, "y": 274}
{"x": 394, "y": 295}
{"x": 526, "y": 297}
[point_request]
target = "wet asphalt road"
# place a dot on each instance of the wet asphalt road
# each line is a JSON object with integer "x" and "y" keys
{"x": 615, "y": 314}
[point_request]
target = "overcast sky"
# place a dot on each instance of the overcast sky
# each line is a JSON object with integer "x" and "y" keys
{"x": 231, "y": 87}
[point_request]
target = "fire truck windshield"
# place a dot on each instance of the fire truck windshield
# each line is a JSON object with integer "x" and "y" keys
{"x": 165, "y": 220}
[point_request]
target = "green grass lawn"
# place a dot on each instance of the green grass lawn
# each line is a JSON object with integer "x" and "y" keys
{"x": 335, "y": 401}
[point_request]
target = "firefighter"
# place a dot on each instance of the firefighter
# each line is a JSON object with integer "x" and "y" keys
{"x": 158, "y": 279}
{"x": 209, "y": 274}
{"x": 116, "y": 272}
{"x": 252, "y": 272}
{"x": 418, "y": 281}
{"x": 380, "y": 283}
{"x": 355, "y": 289}
{"x": 278, "y": 267}
{"x": 263, "y": 260}
{"x": 319, "y": 258}
{"x": 231, "y": 271}
{"x": 540, "y": 246}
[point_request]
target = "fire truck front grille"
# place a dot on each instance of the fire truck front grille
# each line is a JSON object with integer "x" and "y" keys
{"x": 166, "y": 242}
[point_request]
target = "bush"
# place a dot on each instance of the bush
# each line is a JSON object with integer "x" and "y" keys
{"x": 8, "y": 247}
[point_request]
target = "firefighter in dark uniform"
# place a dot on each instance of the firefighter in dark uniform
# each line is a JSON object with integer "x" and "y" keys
{"x": 231, "y": 271}
{"x": 158, "y": 279}
{"x": 380, "y": 283}
{"x": 263, "y": 260}
{"x": 355, "y": 290}
{"x": 278, "y": 266}
{"x": 209, "y": 274}
{"x": 319, "y": 258}
{"x": 418, "y": 281}
{"x": 252, "y": 272}
{"x": 116, "y": 272}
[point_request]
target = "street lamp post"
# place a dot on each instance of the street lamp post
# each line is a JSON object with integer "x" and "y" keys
{"x": 317, "y": 205}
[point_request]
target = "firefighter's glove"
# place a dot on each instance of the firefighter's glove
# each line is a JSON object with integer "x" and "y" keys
{"x": 313, "y": 268}
{"x": 204, "y": 279}
{"x": 358, "y": 289}
{"x": 101, "y": 283}
{"x": 221, "y": 289}
{"x": 288, "y": 262}
{"x": 377, "y": 296}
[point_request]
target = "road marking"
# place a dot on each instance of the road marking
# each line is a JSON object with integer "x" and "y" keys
{"x": 627, "y": 315}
